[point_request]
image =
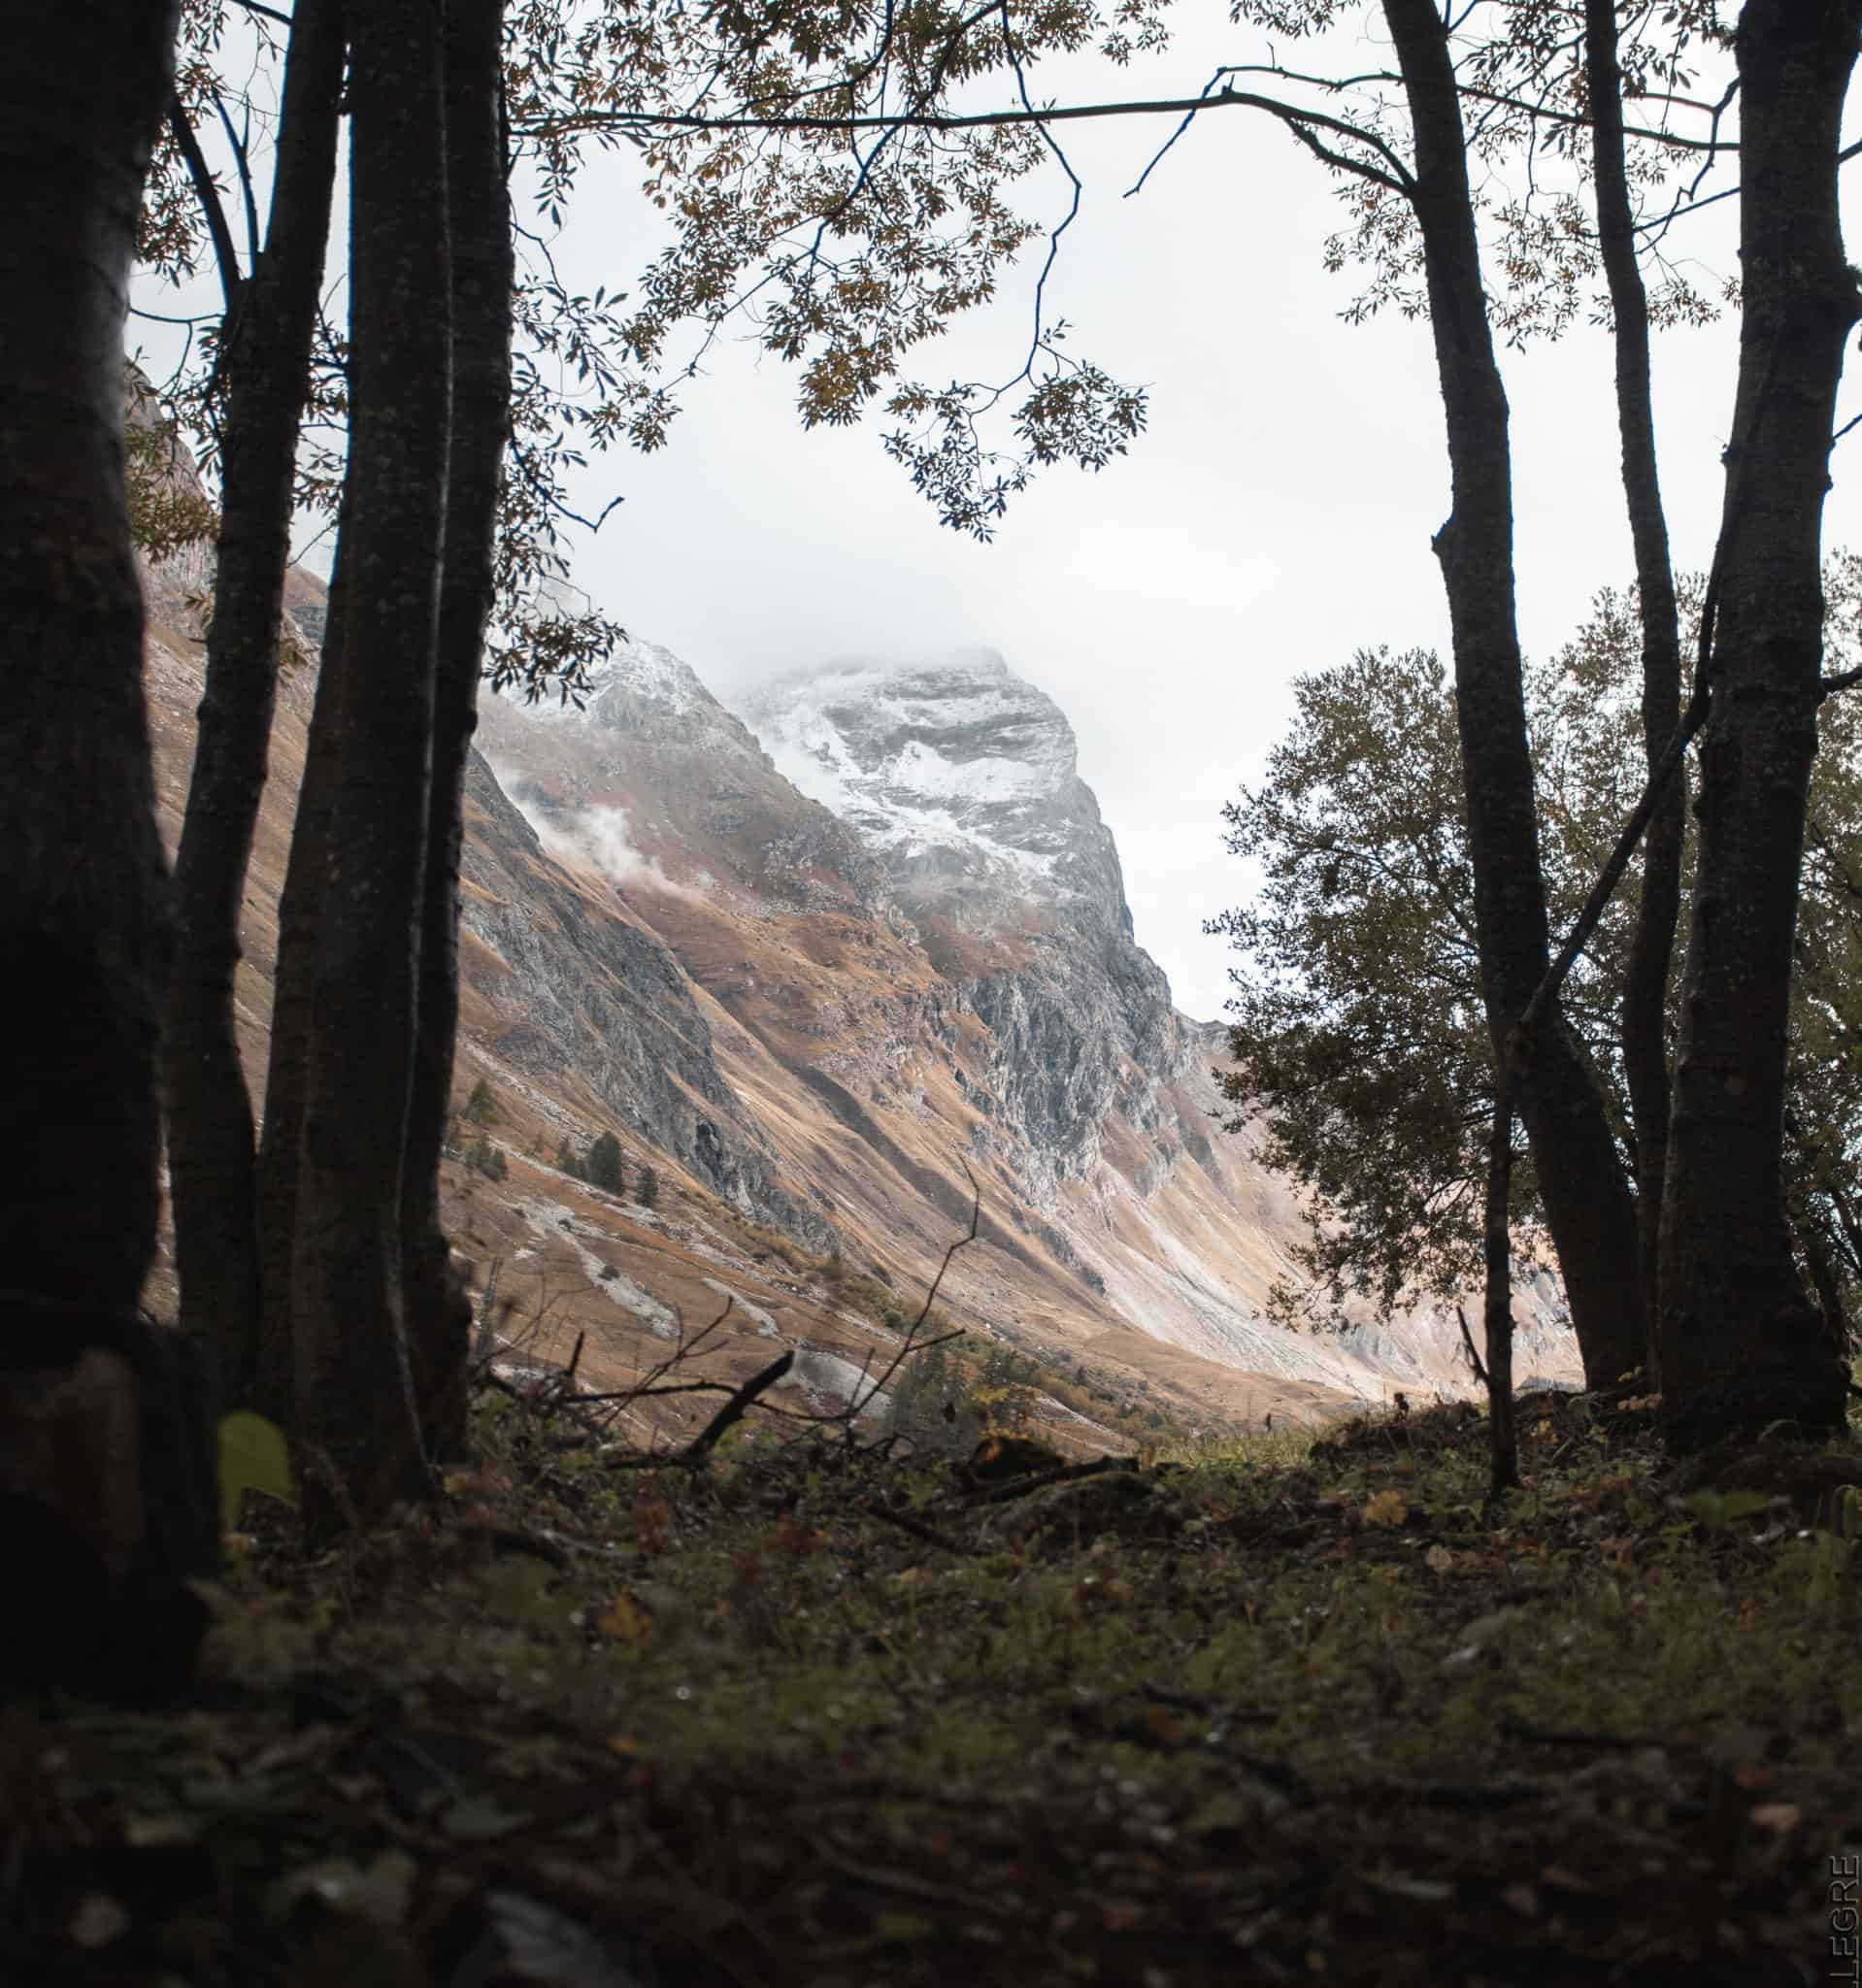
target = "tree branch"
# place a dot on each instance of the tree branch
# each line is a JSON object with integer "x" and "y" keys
{"x": 976, "y": 121}
{"x": 207, "y": 194}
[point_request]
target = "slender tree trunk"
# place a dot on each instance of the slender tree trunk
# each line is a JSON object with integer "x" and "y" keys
{"x": 293, "y": 1007}
{"x": 1651, "y": 949}
{"x": 83, "y": 899}
{"x": 1588, "y": 1205}
{"x": 354, "y": 1407}
{"x": 266, "y": 357}
{"x": 1742, "y": 1343}
{"x": 439, "y": 1317}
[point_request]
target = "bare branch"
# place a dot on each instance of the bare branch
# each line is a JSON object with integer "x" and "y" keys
{"x": 207, "y": 194}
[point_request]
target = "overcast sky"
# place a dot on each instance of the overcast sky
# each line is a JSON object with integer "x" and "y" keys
{"x": 1275, "y": 514}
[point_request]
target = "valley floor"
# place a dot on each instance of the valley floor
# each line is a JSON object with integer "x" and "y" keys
{"x": 1286, "y": 1711}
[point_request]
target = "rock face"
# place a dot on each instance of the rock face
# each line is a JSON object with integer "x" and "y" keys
{"x": 905, "y": 923}
{"x": 964, "y": 780}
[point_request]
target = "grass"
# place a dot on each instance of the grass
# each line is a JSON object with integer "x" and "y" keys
{"x": 1280, "y": 1709}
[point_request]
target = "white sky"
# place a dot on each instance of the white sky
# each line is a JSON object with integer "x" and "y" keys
{"x": 1275, "y": 514}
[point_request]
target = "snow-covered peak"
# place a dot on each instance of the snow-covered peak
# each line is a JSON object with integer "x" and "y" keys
{"x": 646, "y": 690}
{"x": 959, "y": 771}
{"x": 641, "y": 671}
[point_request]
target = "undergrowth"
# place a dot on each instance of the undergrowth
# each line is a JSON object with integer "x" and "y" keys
{"x": 1282, "y": 1710}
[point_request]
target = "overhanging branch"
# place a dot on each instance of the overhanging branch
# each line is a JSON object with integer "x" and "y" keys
{"x": 1304, "y": 122}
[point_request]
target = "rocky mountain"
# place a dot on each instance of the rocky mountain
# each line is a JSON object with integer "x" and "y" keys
{"x": 843, "y": 967}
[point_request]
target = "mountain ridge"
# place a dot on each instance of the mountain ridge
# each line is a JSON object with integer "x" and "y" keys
{"x": 854, "y": 1033}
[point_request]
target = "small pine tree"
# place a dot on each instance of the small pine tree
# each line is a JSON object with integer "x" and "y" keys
{"x": 603, "y": 1167}
{"x": 568, "y": 1161}
{"x": 490, "y": 1160}
{"x": 647, "y": 1187}
{"x": 481, "y": 1108}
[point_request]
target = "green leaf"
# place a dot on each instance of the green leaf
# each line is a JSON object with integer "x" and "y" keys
{"x": 252, "y": 1457}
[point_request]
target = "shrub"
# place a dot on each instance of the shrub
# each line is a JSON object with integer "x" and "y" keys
{"x": 647, "y": 1187}
{"x": 481, "y": 1108}
{"x": 490, "y": 1160}
{"x": 569, "y": 1161}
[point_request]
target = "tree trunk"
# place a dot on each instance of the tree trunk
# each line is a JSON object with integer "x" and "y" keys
{"x": 1742, "y": 1343}
{"x": 1588, "y": 1207}
{"x": 439, "y": 1317}
{"x": 354, "y": 1410}
{"x": 83, "y": 886}
{"x": 266, "y": 359}
{"x": 293, "y": 1000}
{"x": 1646, "y": 974}
{"x": 101, "y": 1459}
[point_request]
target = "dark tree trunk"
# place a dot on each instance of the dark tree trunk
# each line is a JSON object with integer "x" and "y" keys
{"x": 1651, "y": 951}
{"x": 266, "y": 359}
{"x": 1589, "y": 1210}
{"x": 1742, "y": 1343}
{"x": 101, "y": 1462}
{"x": 83, "y": 887}
{"x": 293, "y": 1003}
{"x": 438, "y": 1317}
{"x": 354, "y": 1409}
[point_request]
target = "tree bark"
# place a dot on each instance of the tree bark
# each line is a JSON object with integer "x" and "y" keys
{"x": 103, "y": 1418}
{"x": 1741, "y": 1344}
{"x": 266, "y": 363}
{"x": 1647, "y": 970}
{"x": 1589, "y": 1210}
{"x": 354, "y": 1410}
{"x": 293, "y": 1002}
{"x": 439, "y": 1317}
{"x": 83, "y": 898}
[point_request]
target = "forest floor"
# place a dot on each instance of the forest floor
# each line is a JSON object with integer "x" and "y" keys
{"x": 1287, "y": 1710}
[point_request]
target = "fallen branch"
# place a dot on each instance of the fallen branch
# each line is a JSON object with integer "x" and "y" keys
{"x": 705, "y": 1440}
{"x": 1467, "y": 1340}
{"x": 918, "y": 1529}
{"x": 1067, "y": 1473}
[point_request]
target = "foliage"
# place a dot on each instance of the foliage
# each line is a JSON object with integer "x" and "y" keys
{"x": 487, "y": 1159}
{"x": 1210, "y": 1720}
{"x": 167, "y": 515}
{"x": 841, "y": 249}
{"x": 1360, "y": 1047}
{"x": 481, "y": 1108}
{"x": 647, "y": 1186}
{"x": 566, "y": 389}
{"x": 570, "y": 1162}
{"x": 602, "y": 1168}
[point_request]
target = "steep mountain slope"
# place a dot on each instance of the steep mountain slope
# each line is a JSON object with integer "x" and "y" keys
{"x": 836, "y": 993}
